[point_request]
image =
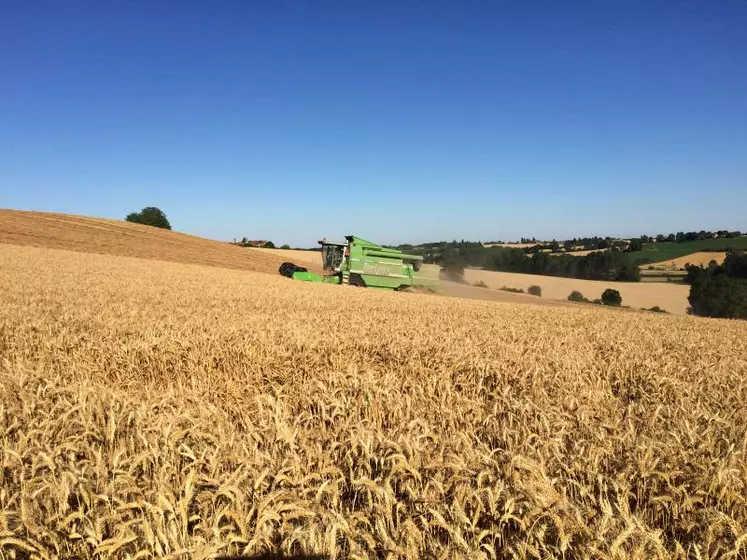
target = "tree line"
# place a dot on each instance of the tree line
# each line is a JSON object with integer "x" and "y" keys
{"x": 596, "y": 243}
{"x": 681, "y": 236}
{"x": 455, "y": 256}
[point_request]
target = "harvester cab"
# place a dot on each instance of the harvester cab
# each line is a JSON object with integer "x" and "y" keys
{"x": 332, "y": 255}
{"x": 358, "y": 262}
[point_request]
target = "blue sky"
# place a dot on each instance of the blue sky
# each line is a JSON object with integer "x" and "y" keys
{"x": 395, "y": 121}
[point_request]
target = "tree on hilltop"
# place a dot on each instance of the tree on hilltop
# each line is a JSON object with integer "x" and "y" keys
{"x": 149, "y": 216}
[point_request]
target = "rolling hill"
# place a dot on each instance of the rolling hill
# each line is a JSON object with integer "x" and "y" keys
{"x": 125, "y": 239}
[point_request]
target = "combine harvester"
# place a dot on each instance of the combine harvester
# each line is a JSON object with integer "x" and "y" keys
{"x": 358, "y": 262}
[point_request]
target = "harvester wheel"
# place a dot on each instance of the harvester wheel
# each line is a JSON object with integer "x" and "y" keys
{"x": 357, "y": 281}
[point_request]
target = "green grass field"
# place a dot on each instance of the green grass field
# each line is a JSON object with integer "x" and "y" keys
{"x": 658, "y": 252}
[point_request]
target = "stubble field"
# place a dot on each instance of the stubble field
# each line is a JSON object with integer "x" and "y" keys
{"x": 671, "y": 297}
{"x": 150, "y": 409}
{"x": 701, "y": 258}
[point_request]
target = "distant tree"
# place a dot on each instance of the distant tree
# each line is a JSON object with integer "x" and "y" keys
{"x": 660, "y": 238}
{"x": 680, "y": 237}
{"x": 575, "y": 295}
{"x": 603, "y": 244}
{"x": 268, "y": 245}
{"x": 696, "y": 273}
{"x": 635, "y": 245}
{"x": 535, "y": 290}
{"x": 285, "y": 246}
{"x": 671, "y": 238}
{"x": 149, "y": 216}
{"x": 735, "y": 264}
{"x": 611, "y": 297}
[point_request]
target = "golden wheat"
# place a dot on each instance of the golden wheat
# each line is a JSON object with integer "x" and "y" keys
{"x": 153, "y": 409}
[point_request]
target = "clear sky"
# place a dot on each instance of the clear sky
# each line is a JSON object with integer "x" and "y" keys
{"x": 398, "y": 121}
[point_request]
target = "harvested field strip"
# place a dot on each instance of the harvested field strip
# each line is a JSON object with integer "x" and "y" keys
{"x": 669, "y": 296}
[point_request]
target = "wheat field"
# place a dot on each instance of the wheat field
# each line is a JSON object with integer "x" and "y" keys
{"x": 157, "y": 409}
{"x": 299, "y": 256}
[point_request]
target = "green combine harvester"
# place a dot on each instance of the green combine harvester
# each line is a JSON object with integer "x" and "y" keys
{"x": 358, "y": 262}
